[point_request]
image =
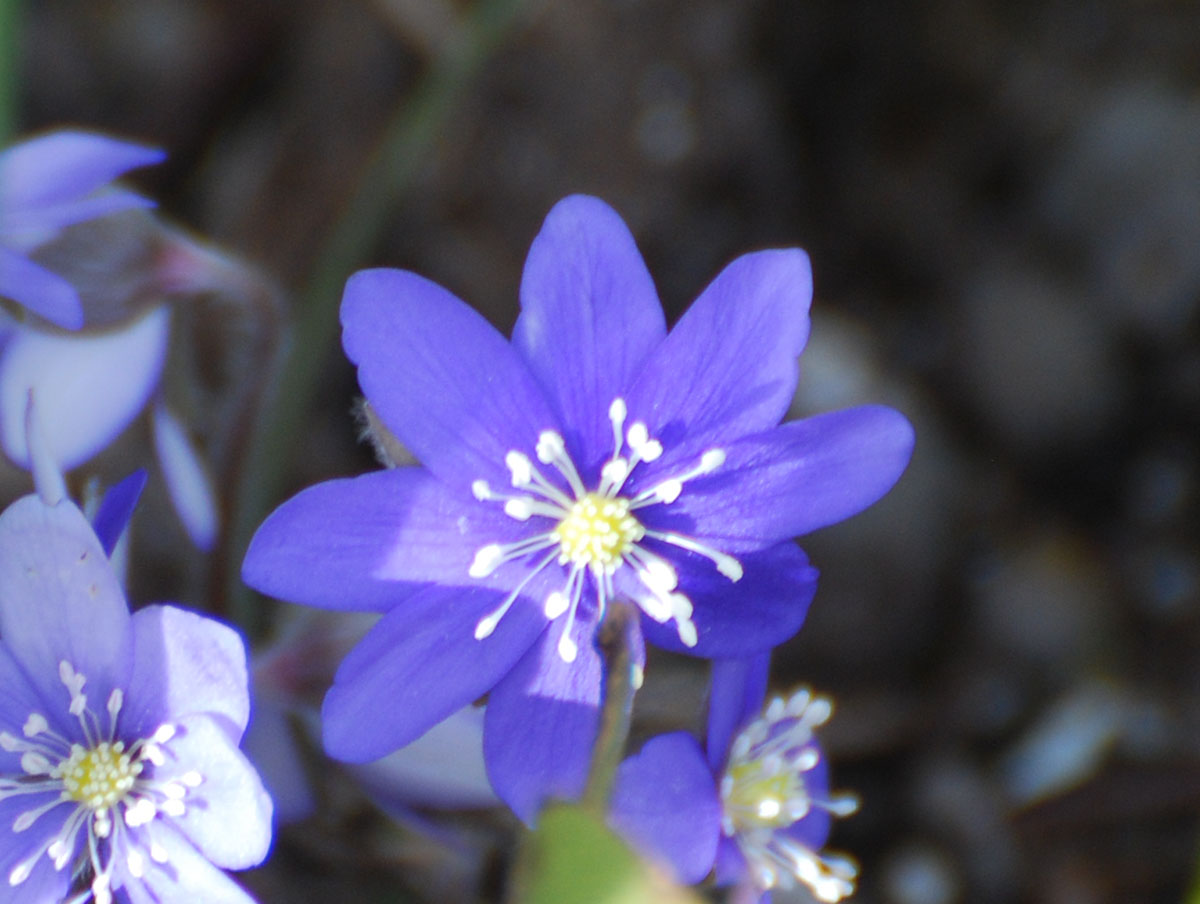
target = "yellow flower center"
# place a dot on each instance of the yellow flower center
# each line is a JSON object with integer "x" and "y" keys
{"x": 760, "y": 800}
{"x": 597, "y": 532}
{"x": 99, "y": 777}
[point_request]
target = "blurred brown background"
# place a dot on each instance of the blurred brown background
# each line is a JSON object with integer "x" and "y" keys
{"x": 1002, "y": 203}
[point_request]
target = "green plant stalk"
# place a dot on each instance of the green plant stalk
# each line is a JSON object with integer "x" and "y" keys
{"x": 614, "y": 638}
{"x": 10, "y": 64}
{"x": 389, "y": 172}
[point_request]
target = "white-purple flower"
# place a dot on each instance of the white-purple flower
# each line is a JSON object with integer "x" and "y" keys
{"x": 755, "y": 806}
{"x": 594, "y": 456}
{"x": 119, "y": 762}
{"x": 46, "y": 184}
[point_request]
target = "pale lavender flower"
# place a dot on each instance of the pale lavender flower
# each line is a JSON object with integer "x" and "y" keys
{"x": 120, "y": 771}
{"x": 46, "y": 184}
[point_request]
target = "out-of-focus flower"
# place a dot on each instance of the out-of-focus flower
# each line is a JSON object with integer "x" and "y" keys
{"x": 146, "y": 289}
{"x": 595, "y": 456}
{"x": 46, "y": 184}
{"x": 119, "y": 760}
{"x": 441, "y": 770}
{"x": 756, "y": 805}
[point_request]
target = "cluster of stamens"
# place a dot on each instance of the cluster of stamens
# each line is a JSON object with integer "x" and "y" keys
{"x": 596, "y": 532}
{"x": 105, "y": 780}
{"x": 765, "y": 790}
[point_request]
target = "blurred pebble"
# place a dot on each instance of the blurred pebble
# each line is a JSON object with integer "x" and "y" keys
{"x": 1036, "y": 362}
{"x": 1048, "y": 600}
{"x": 1066, "y": 744}
{"x": 921, "y": 873}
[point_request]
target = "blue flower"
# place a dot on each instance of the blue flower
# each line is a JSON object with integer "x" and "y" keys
{"x": 594, "y": 456}
{"x": 756, "y": 806}
{"x": 119, "y": 759}
{"x": 46, "y": 184}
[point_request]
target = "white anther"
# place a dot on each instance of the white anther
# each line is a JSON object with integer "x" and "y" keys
{"x": 486, "y": 561}
{"x": 34, "y": 726}
{"x": 140, "y": 812}
{"x": 638, "y": 436}
{"x": 556, "y": 604}
{"x": 567, "y": 648}
{"x": 710, "y": 461}
{"x": 136, "y": 863}
{"x": 481, "y": 490}
{"x": 115, "y": 700}
{"x": 192, "y": 778}
{"x": 158, "y": 853}
{"x": 519, "y": 509}
{"x": 550, "y": 447}
{"x": 668, "y": 491}
{"x": 8, "y": 743}
{"x": 34, "y": 763}
{"x": 486, "y": 625}
{"x": 163, "y": 733}
{"x": 520, "y": 467}
{"x": 617, "y": 412}
{"x": 173, "y": 808}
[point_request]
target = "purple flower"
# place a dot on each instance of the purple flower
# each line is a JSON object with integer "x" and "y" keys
{"x": 50, "y": 182}
{"x": 119, "y": 759}
{"x": 756, "y": 806}
{"x": 594, "y": 456}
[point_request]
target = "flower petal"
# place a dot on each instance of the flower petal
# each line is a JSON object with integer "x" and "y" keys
{"x": 729, "y": 365}
{"x": 188, "y": 482}
{"x": 44, "y": 293}
{"x": 63, "y": 165}
{"x": 541, "y": 724}
{"x": 60, "y": 601}
{"x": 445, "y": 382}
{"x": 665, "y": 802}
{"x": 736, "y": 695}
{"x": 589, "y": 316}
{"x": 45, "y": 883}
{"x": 734, "y": 619}
{"x": 88, "y": 387}
{"x": 349, "y": 544}
{"x": 796, "y": 478}
{"x": 419, "y": 664}
{"x": 184, "y": 664}
{"x": 228, "y": 816}
{"x": 116, "y": 508}
{"x": 186, "y": 877}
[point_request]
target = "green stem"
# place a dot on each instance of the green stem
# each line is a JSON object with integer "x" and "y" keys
{"x": 389, "y": 172}
{"x": 616, "y": 643}
{"x": 10, "y": 64}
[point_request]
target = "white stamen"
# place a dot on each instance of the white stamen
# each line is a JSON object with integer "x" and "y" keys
{"x": 158, "y": 853}
{"x": 481, "y": 491}
{"x": 486, "y": 561}
{"x": 35, "y": 725}
{"x": 136, "y": 863}
{"x": 521, "y": 468}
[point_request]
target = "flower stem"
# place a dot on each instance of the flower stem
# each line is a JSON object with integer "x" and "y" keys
{"x": 405, "y": 145}
{"x": 615, "y": 638}
{"x": 10, "y": 64}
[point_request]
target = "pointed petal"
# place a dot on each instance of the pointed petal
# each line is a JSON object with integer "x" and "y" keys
{"x": 186, "y": 878}
{"x": 418, "y": 665}
{"x": 63, "y": 165}
{"x": 228, "y": 816}
{"x": 351, "y": 544}
{"x": 589, "y": 316}
{"x": 88, "y": 387}
{"x": 188, "y": 483}
{"x": 449, "y": 386}
{"x": 37, "y": 289}
{"x": 796, "y": 478}
{"x": 541, "y": 724}
{"x": 734, "y": 619}
{"x": 186, "y": 663}
{"x": 666, "y": 802}
{"x": 729, "y": 366}
{"x": 116, "y": 508}
{"x": 60, "y": 601}
{"x": 736, "y": 695}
